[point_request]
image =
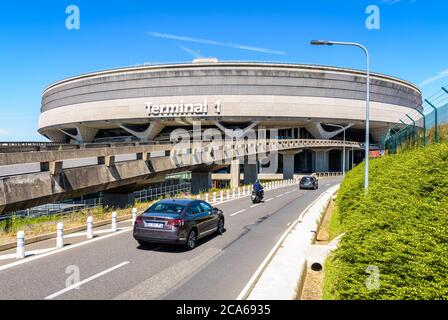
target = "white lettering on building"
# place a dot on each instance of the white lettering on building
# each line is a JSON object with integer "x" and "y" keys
{"x": 181, "y": 109}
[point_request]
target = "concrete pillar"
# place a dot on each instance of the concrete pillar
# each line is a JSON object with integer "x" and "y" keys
{"x": 348, "y": 153}
{"x": 288, "y": 166}
{"x": 118, "y": 200}
{"x": 55, "y": 136}
{"x": 321, "y": 161}
{"x": 250, "y": 172}
{"x": 200, "y": 181}
{"x": 235, "y": 174}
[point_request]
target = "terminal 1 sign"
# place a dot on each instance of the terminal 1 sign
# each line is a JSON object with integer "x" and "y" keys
{"x": 182, "y": 109}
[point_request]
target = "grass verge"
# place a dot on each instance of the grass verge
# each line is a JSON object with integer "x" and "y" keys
{"x": 396, "y": 242}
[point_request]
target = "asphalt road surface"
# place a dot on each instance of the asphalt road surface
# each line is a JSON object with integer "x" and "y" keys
{"x": 115, "y": 267}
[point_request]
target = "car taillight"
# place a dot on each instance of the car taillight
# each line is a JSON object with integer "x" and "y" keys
{"x": 175, "y": 223}
{"x": 138, "y": 220}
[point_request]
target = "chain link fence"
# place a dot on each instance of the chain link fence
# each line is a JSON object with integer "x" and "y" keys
{"x": 426, "y": 125}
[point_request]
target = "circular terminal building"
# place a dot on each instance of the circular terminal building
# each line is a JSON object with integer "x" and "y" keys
{"x": 147, "y": 103}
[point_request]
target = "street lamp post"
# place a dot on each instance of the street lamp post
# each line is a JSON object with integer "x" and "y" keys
{"x": 367, "y": 142}
{"x": 343, "y": 155}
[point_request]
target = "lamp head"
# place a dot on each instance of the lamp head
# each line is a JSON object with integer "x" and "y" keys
{"x": 321, "y": 43}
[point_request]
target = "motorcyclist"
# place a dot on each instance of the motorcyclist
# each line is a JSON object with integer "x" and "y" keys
{"x": 258, "y": 188}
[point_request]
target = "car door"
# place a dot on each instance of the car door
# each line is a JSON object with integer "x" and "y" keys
{"x": 199, "y": 216}
{"x": 212, "y": 217}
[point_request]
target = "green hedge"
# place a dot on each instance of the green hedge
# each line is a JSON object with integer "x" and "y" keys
{"x": 401, "y": 228}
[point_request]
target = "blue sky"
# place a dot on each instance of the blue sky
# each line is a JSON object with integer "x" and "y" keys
{"x": 37, "y": 49}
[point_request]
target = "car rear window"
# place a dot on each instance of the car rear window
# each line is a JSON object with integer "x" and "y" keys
{"x": 307, "y": 179}
{"x": 166, "y": 208}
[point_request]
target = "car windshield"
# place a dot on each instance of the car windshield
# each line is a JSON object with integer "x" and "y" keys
{"x": 166, "y": 208}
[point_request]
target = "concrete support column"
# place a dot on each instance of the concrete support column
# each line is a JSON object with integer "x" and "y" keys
{"x": 250, "y": 172}
{"x": 288, "y": 166}
{"x": 235, "y": 174}
{"x": 118, "y": 200}
{"x": 289, "y": 163}
{"x": 321, "y": 161}
{"x": 200, "y": 182}
{"x": 348, "y": 155}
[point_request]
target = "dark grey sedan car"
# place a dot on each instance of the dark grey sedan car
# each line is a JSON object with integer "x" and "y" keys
{"x": 309, "y": 182}
{"x": 178, "y": 222}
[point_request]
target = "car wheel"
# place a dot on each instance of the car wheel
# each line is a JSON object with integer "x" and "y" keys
{"x": 221, "y": 228}
{"x": 191, "y": 240}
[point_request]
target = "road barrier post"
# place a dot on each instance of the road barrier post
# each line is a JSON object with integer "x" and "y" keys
{"x": 114, "y": 222}
{"x": 60, "y": 235}
{"x": 134, "y": 215}
{"x": 206, "y": 197}
{"x": 228, "y": 194}
{"x": 198, "y": 197}
{"x": 214, "y": 197}
{"x": 221, "y": 196}
{"x": 239, "y": 192}
{"x": 89, "y": 227}
{"x": 20, "y": 245}
{"x": 233, "y": 193}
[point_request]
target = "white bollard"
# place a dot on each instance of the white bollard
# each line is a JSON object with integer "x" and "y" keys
{"x": 233, "y": 193}
{"x": 239, "y": 192}
{"x": 60, "y": 235}
{"x": 221, "y": 196}
{"x": 228, "y": 194}
{"x": 214, "y": 197}
{"x": 114, "y": 222}
{"x": 198, "y": 197}
{"x": 206, "y": 197}
{"x": 89, "y": 227}
{"x": 134, "y": 215}
{"x": 20, "y": 245}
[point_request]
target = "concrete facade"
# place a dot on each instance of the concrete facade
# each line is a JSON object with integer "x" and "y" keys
{"x": 92, "y": 106}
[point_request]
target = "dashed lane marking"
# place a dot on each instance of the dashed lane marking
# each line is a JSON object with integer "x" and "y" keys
{"x": 79, "y": 284}
{"x": 238, "y": 212}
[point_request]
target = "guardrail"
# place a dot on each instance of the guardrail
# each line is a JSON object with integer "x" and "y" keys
{"x": 52, "y": 153}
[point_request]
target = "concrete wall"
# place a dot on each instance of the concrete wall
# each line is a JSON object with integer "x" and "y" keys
{"x": 247, "y": 91}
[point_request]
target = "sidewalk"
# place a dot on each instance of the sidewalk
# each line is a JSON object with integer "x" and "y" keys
{"x": 279, "y": 275}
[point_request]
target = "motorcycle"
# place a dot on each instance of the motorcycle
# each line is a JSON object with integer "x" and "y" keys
{"x": 257, "y": 197}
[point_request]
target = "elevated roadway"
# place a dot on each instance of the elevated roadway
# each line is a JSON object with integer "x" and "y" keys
{"x": 68, "y": 171}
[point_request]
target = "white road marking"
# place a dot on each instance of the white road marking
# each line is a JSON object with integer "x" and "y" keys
{"x": 255, "y": 277}
{"x": 13, "y": 264}
{"x": 288, "y": 192}
{"x": 269, "y": 199}
{"x": 241, "y": 211}
{"x": 28, "y": 253}
{"x": 280, "y": 195}
{"x": 77, "y": 285}
{"x": 255, "y": 205}
{"x": 80, "y": 234}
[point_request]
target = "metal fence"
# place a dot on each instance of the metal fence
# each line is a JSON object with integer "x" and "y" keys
{"x": 71, "y": 206}
{"x": 425, "y": 125}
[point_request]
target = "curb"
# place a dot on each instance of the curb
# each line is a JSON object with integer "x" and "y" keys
{"x": 48, "y": 236}
{"x": 281, "y": 274}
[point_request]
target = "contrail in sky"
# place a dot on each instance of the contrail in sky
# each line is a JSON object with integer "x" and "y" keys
{"x": 214, "y": 43}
